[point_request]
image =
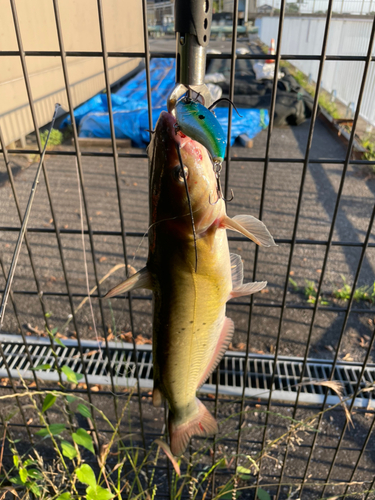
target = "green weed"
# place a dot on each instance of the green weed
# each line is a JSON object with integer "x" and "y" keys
{"x": 366, "y": 293}
{"x": 78, "y": 466}
{"x": 369, "y": 144}
{"x": 55, "y": 139}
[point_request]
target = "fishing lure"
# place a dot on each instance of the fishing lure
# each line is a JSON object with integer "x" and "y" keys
{"x": 199, "y": 123}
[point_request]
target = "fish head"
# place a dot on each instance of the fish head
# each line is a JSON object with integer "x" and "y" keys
{"x": 168, "y": 197}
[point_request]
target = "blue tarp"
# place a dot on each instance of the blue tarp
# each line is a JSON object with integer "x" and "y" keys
{"x": 130, "y": 112}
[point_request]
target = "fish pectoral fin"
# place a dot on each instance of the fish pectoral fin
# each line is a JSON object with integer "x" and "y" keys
{"x": 221, "y": 346}
{"x": 157, "y": 397}
{"x": 252, "y": 228}
{"x": 202, "y": 423}
{"x": 247, "y": 289}
{"x": 141, "y": 279}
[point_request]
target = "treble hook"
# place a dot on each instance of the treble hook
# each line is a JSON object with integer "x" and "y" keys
{"x": 218, "y": 186}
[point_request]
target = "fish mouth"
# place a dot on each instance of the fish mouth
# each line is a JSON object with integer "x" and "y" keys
{"x": 167, "y": 127}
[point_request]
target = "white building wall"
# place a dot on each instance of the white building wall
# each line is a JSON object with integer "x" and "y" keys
{"x": 304, "y": 35}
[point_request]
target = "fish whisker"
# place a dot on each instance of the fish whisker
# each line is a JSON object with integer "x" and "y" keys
{"x": 190, "y": 207}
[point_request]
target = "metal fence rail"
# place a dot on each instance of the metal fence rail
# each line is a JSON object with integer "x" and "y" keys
{"x": 239, "y": 371}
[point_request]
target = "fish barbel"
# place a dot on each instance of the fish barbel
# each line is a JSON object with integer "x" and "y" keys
{"x": 190, "y": 330}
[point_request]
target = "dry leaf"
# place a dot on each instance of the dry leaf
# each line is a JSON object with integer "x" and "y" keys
{"x": 127, "y": 337}
{"x": 347, "y": 357}
{"x": 66, "y": 226}
{"x": 318, "y": 270}
{"x": 30, "y": 421}
{"x": 265, "y": 290}
{"x": 241, "y": 346}
{"x": 102, "y": 259}
{"x": 211, "y": 396}
{"x": 34, "y": 330}
{"x": 4, "y": 381}
{"x": 96, "y": 388}
{"x": 98, "y": 213}
{"x": 140, "y": 339}
{"x": 81, "y": 385}
{"x": 110, "y": 336}
{"x": 291, "y": 273}
{"x": 135, "y": 184}
{"x": 50, "y": 221}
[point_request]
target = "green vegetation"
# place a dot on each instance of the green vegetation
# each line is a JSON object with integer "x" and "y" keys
{"x": 369, "y": 144}
{"x": 55, "y": 139}
{"x": 66, "y": 462}
{"x": 365, "y": 293}
{"x": 119, "y": 467}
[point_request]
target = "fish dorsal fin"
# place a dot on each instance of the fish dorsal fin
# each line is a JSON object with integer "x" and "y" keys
{"x": 141, "y": 279}
{"x": 247, "y": 289}
{"x": 221, "y": 346}
{"x": 252, "y": 228}
{"x": 237, "y": 270}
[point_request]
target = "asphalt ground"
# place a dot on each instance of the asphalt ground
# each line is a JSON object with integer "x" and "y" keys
{"x": 281, "y": 194}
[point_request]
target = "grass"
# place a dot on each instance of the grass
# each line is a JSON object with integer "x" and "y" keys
{"x": 67, "y": 463}
{"x": 369, "y": 144}
{"x": 364, "y": 293}
{"x": 55, "y": 139}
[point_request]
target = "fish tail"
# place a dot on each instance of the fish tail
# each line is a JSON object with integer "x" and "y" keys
{"x": 201, "y": 424}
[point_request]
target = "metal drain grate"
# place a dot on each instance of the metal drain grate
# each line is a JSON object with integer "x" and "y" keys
{"x": 122, "y": 359}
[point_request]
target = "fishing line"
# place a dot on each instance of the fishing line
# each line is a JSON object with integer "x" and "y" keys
{"x": 190, "y": 207}
{"x": 85, "y": 260}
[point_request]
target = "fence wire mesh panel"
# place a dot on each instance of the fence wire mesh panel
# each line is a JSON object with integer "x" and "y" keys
{"x": 293, "y": 394}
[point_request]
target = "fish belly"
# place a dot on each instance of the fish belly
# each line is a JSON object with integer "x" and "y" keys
{"x": 189, "y": 314}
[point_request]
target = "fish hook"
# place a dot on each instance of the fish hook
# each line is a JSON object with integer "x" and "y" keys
{"x": 190, "y": 207}
{"x": 214, "y": 104}
{"x": 219, "y": 191}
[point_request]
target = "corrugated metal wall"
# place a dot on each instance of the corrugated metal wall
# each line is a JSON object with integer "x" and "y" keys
{"x": 304, "y": 36}
{"x": 38, "y": 28}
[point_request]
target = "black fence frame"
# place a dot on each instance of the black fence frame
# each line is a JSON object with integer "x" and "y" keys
{"x": 266, "y": 160}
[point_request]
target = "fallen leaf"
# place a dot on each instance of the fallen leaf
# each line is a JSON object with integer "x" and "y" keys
{"x": 30, "y": 421}
{"x": 128, "y": 337}
{"x": 265, "y": 290}
{"x": 318, "y": 270}
{"x": 110, "y": 336}
{"x": 291, "y": 273}
{"x": 135, "y": 184}
{"x": 81, "y": 385}
{"x": 34, "y": 329}
{"x": 96, "y": 388}
{"x": 362, "y": 342}
{"x": 241, "y": 346}
{"x": 4, "y": 381}
{"x": 347, "y": 357}
{"x": 33, "y": 384}
{"x": 66, "y": 226}
{"x": 140, "y": 339}
{"x": 50, "y": 221}
{"x": 102, "y": 259}
{"x": 98, "y": 213}
{"x": 211, "y": 396}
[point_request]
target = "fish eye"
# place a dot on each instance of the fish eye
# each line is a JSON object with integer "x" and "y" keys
{"x": 177, "y": 174}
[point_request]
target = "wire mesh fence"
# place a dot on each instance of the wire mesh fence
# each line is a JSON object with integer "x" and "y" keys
{"x": 79, "y": 208}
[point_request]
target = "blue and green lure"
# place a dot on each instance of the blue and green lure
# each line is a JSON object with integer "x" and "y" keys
{"x": 199, "y": 123}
